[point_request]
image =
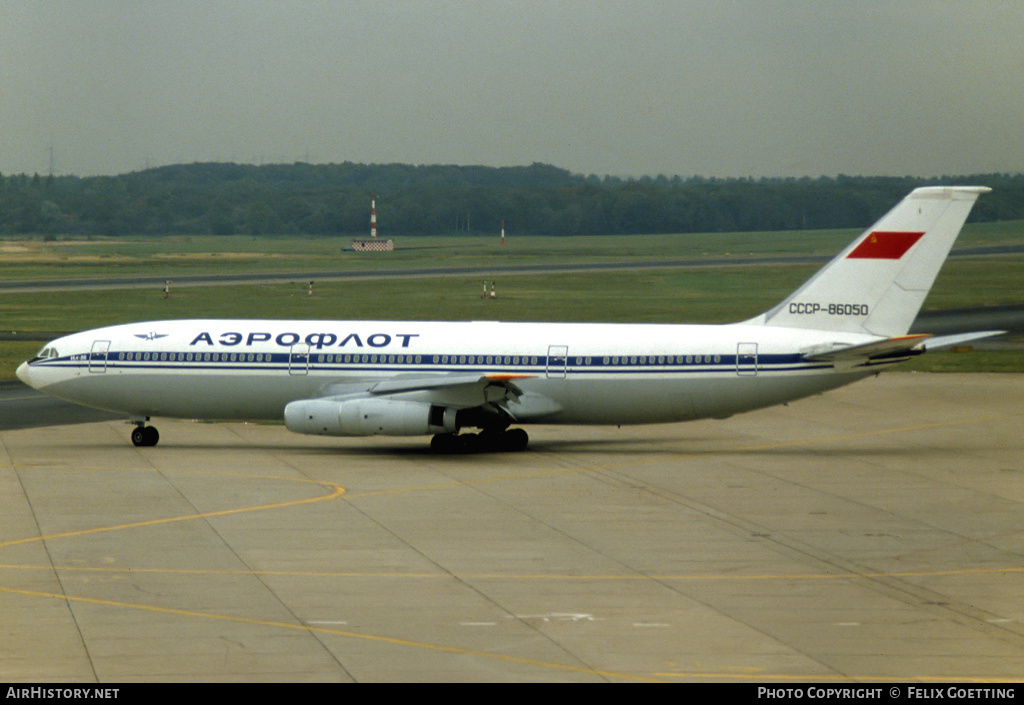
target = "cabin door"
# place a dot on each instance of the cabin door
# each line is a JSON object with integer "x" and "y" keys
{"x": 298, "y": 359}
{"x": 558, "y": 361}
{"x": 746, "y": 359}
{"x": 98, "y": 356}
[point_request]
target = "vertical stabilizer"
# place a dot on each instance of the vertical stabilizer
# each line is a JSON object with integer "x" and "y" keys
{"x": 878, "y": 283}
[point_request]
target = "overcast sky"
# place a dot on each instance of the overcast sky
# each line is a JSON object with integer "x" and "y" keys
{"x": 638, "y": 87}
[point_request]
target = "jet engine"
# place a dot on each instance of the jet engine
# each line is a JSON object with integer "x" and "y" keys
{"x": 368, "y": 417}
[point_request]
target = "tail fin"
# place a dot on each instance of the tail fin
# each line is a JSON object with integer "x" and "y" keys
{"x": 878, "y": 283}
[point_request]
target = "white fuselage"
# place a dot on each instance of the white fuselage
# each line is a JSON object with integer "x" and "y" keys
{"x": 577, "y": 373}
{"x": 342, "y": 378}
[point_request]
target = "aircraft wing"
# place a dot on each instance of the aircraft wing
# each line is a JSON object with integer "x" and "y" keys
{"x": 449, "y": 383}
{"x": 473, "y": 390}
{"x": 460, "y": 391}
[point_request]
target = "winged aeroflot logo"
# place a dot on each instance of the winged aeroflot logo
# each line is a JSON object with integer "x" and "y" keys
{"x": 150, "y": 336}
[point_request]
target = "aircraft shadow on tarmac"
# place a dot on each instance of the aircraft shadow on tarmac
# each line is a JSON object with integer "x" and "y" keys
{"x": 681, "y": 447}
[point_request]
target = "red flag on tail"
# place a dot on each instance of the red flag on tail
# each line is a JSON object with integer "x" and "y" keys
{"x": 885, "y": 245}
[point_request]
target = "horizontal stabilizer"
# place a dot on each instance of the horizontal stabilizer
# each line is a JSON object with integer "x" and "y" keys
{"x": 866, "y": 351}
{"x": 945, "y": 341}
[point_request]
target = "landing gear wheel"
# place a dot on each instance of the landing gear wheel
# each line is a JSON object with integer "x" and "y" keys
{"x": 515, "y": 440}
{"x": 511, "y": 441}
{"x": 444, "y": 443}
{"x": 492, "y": 441}
{"x": 145, "y": 436}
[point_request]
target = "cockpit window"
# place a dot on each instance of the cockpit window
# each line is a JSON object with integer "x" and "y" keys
{"x": 47, "y": 354}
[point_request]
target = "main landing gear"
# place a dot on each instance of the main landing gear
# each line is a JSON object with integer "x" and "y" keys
{"x": 512, "y": 440}
{"x": 144, "y": 436}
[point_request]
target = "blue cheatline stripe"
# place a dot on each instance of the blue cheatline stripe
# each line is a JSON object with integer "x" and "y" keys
{"x": 408, "y": 362}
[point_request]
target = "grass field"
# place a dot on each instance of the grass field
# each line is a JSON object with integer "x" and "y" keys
{"x": 697, "y": 295}
{"x": 171, "y": 256}
{"x": 178, "y": 256}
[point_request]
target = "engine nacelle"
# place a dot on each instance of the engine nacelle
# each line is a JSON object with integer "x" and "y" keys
{"x": 367, "y": 417}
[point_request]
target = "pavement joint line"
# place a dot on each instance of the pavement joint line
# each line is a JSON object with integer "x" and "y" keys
{"x": 394, "y": 641}
{"x": 631, "y": 459}
{"x": 337, "y": 492}
{"x": 531, "y": 576}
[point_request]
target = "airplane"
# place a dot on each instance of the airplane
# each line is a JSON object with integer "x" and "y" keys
{"x": 407, "y": 378}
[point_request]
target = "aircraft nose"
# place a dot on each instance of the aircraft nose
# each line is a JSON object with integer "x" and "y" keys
{"x": 24, "y": 373}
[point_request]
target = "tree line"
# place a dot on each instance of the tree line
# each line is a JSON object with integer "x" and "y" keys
{"x": 540, "y": 199}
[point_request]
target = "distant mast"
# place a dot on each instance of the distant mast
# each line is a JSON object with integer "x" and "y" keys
{"x": 372, "y": 244}
{"x": 373, "y": 215}
{"x": 503, "y": 232}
